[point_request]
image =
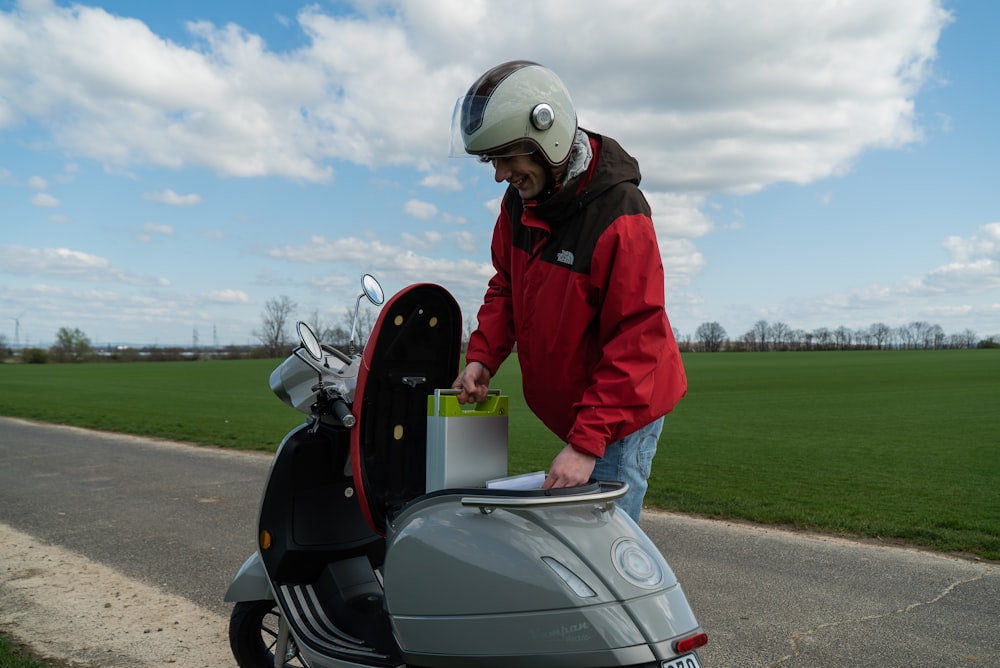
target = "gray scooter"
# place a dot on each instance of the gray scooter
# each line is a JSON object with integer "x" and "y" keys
{"x": 358, "y": 565}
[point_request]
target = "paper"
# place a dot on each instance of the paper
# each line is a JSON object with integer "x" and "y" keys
{"x": 523, "y": 481}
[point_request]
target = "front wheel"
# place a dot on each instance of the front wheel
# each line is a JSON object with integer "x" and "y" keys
{"x": 253, "y": 633}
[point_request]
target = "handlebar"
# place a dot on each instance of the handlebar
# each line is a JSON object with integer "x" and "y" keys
{"x": 343, "y": 413}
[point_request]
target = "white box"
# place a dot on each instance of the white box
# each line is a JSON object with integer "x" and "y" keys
{"x": 466, "y": 444}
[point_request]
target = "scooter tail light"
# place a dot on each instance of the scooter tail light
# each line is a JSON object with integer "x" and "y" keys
{"x": 691, "y": 643}
{"x": 265, "y": 539}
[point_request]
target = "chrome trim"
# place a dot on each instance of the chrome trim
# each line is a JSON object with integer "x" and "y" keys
{"x": 609, "y": 492}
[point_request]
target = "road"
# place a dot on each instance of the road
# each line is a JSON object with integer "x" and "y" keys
{"x": 167, "y": 524}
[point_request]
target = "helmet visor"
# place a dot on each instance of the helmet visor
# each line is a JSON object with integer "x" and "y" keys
{"x": 466, "y": 120}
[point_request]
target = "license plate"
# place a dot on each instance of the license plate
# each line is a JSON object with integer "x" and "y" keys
{"x": 686, "y": 661}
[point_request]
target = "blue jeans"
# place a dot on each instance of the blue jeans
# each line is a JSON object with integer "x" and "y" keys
{"x": 630, "y": 460}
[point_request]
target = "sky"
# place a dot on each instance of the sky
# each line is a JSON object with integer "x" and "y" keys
{"x": 167, "y": 168}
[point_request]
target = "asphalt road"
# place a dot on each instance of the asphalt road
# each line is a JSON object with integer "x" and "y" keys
{"x": 182, "y": 518}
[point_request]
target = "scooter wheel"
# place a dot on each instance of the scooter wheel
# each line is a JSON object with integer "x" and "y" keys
{"x": 253, "y": 633}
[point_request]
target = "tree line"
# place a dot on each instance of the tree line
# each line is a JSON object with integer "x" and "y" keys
{"x": 767, "y": 336}
{"x": 275, "y": 338}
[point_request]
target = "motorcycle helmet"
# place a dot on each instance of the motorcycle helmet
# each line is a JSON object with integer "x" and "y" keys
{"x": 516, "y": 108}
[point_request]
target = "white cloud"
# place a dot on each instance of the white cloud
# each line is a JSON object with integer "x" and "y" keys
{"x": 228, "y": 296}
{"x": 68, "y": 264}
{"x": 986, "y": 244}
{"x": 150, "y": 229}
{"x": 38, "y": 183}
{"x": 420, "y": 210}
{"x": 442, "y": 181}
{"x": 166, "y": 230}
{"x": 452, "y": 219}
{"x": 425, "y": 241}
{"x": 465, "y": 241}
{"x": 679, "y": 215}
{"x": 45, "y": 201}
{"x": 386, "y": 260}
{"x": 170, "y": 197}
{"x": 69, "y": 173}
{"x": 948, "y": 291}
{"x": 975, "y": 265}
{"x": 707, "y": 100}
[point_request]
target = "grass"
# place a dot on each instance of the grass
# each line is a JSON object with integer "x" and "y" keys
{"x": 899, "y": 445}
{"x": 225, "y": 403}
{"x": 15, "y": 657}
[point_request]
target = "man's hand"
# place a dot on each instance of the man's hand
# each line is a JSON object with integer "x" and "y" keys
{"x": 569, "y": 469}
{"x": 472, "y": 384}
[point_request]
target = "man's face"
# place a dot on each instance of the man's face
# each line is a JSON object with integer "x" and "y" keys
{"x": 523, "y": 172}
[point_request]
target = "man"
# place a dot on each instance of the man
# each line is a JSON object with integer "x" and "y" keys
{"x": 578, "y": 284}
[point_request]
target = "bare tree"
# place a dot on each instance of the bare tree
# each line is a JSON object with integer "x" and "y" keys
{"x": 880, "y": 333}
{"x": 842, "y": 337}
{"x": 274, "y": 323}
{"x": 822, "y": 337}
{"x": 916, "y": 333}
{"x": 806, "y": 338}
{"x": 799, "y": 339}
{"x": 334, "y": 335}
{"x": 935, "y": 337}
{"x": 780, "y": 334}
{"x": 967, "y": 339}
{"x": 71, "y": 345}
{"x": 468, "y": 327}
{"x": 758, "y": 334}
{"x": 902, "y": 334}
{"x": 710, "y": 336}
{"x": 863, "y": 338}
{"x": 366, "y": 323}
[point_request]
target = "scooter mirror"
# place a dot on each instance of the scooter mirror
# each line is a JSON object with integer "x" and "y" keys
{"x": 372, "y": 289}
{"x": 309, "y": 341}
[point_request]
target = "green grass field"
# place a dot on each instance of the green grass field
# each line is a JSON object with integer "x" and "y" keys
{"x": 900, "y": 445}
{"x": 15, "y": 657}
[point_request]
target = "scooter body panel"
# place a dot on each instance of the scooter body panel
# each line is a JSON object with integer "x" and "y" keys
{"x": 477, "y": 589}
{"x": 251, "y": 582}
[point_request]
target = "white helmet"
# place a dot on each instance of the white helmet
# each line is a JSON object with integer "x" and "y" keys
{"x": 517, "y": 108}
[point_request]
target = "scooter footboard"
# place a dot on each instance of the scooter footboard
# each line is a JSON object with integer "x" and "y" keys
{"x": 317, "y": 630}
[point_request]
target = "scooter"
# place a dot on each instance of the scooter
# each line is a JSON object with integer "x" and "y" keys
{"x": 359, "y": 565}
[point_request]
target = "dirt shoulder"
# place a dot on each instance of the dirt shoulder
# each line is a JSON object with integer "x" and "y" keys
{"x": 71, "y": 612}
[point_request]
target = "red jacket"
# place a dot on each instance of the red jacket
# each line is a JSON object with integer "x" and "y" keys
{"x": 579, "y": 289}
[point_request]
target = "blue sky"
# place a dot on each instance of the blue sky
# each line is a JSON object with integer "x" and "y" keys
{"x": 167, "y": 168}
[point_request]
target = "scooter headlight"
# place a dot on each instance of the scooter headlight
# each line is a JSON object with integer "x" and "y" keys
{"x": 634, "y": 563}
